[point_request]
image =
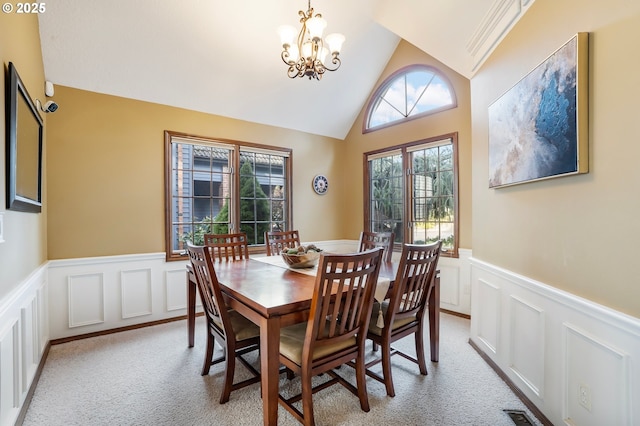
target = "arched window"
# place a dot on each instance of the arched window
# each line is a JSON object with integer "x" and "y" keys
{"x": 411, "y": 92}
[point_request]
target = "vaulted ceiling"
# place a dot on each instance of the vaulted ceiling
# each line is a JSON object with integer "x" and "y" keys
{"x": 223, "y": 57}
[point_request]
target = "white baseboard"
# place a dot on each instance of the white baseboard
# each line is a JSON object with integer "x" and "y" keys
{"x": 574, "y": 359}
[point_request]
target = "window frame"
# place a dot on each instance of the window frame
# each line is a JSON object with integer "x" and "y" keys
{"x": 236, "y": 147}
{"x": 405, "y": 151}
{"x": 384, "y": 86}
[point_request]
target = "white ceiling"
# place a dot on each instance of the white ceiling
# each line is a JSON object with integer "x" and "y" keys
{"x": 223, "y": 57}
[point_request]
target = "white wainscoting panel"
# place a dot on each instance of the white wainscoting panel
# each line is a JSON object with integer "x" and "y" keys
{"x": 94, "y": 294}
{"x": 450, "y": 292}
{"x": 455, "y": 282}
{"x": 597, "y": 380}
{"x": 113, "y": 291}
{"x": 86, "y": 299}
{"x": 175, "y": 289}
{"x": 526, "y": 344}
{"x": 136, "y": 292}
{"x": 24, "y": 335}
{"x": 574, "y": 359}
{"x": 29, "y": 341}
{"x": 10, "y": 371}
{"x": 488, "y": 318}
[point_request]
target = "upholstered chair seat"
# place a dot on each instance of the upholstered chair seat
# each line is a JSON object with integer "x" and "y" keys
{"x": 292, "y": 339}
{"x": 397, "y": 323}
{"x": 242, "y": 327}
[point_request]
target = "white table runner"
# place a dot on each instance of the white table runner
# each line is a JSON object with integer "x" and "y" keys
{"x": 381, "y": 287}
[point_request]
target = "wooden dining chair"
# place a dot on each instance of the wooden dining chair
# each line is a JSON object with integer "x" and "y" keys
{"x": 404, "y": 312}
{"x": 369, "y": 240}
{"x": 334, "y": 333}
{"x": 276, "y": 241}
{"x": 227, "y": 247}
{"x": 236, "y": 334}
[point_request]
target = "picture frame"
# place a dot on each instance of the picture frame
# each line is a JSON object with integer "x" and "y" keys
{"x": 24, "y": 128}
{"x": 538, "y": 129}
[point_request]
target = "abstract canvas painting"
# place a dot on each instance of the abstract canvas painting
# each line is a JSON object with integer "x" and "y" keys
{"x": 538, "y": 129}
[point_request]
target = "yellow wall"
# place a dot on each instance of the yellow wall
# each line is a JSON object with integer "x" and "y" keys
{"x": 106, "y": 172}
{"x": 578, "y": 233}
{"x": 453, "y": 120}
{"x": 106, "y": 181}
{"x": 25, "y": 236}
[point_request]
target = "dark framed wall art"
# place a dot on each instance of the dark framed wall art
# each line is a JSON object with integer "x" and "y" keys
{"x": 24, "y": 147}
{"x": 538, "y": 129}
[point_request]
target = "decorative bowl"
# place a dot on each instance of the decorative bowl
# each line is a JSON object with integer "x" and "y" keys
{"x": 305, "y": 260}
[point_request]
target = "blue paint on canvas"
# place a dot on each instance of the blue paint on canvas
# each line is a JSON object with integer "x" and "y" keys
{"x": 556, "y": 124}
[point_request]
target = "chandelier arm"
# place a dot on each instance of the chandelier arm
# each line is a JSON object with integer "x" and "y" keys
{"x": 292, "y": 72}
{"x": 286, "y": 58}
{"x": 335, "y": 60}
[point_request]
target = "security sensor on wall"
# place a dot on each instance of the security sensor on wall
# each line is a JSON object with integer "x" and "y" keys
{"x": 49, "y": 106}
{"x": 48, "y": 88}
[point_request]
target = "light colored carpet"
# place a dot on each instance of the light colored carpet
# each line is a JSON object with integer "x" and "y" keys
{"x": 149, "y": 376}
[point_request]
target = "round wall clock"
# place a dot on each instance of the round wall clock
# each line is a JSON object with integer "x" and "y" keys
{"x": 320, "y": 184}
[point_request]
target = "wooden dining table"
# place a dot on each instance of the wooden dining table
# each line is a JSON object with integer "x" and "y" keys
{"x": 274, "y": 297}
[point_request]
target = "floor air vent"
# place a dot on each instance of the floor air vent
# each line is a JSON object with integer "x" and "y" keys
{"x": 519, "y": 417}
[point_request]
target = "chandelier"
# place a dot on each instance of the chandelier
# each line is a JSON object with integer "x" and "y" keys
{"x": 306, "y": 57}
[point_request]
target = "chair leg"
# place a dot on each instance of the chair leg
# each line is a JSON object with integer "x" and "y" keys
{"x": 362, "y": 383}
{"x": 230, "y": 367}
{"x": 374, "y": 346}
{"x": 307, "y": 399}
{"x": 208, "y": 357}
{"x": 290, "y": 373}
{"x": 386, "y": 367}
{"x": 420, "y": 350}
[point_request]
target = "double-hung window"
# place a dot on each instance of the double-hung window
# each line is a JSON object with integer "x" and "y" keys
{"x": 412, "y": 191}
{"x": 215, "y": 186}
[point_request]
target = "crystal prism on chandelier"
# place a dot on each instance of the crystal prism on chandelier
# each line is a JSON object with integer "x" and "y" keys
{"x": 306, "y": 57}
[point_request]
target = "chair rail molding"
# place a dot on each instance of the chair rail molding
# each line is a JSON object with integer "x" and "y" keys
{"x": 571, "y": 357}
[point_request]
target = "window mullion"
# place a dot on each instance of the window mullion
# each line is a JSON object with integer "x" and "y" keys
{"x": 407, "y": 198}
{"x": 426, "y": 86}
{"x": 234, "y": 216}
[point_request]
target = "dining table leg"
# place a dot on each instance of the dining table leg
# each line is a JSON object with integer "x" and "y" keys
{"x": 270, "y": 366}
{"x": 191, "y": 309}
{"x": 434, "y": 320}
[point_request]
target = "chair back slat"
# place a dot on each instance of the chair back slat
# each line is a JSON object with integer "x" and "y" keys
{"x": 227, "y": 246}
{"x": 414, "y": 280}
{"x": 277, "y": 241}
{"x": 208, "y": 287}
{"x": 369, "y": 240}
{"x": 343, "y": 296}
